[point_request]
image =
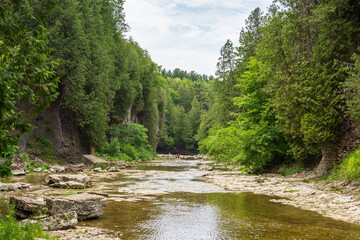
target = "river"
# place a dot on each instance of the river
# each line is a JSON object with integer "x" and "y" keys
{"x": 168, "y": 199}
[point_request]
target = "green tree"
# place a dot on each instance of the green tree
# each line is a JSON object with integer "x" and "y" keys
{"x": 26, "y": 72}
{"x": 301, "y": 43}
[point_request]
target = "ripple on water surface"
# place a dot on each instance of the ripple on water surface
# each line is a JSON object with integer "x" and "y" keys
{"x": 218, "y": 216}
{"x": 172, "y": 202}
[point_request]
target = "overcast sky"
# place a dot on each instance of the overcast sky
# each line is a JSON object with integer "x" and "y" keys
{"x": 187, "y": 34}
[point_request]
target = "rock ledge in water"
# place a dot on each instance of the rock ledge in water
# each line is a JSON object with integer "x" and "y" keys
{"x": 76, "y": 181}
{"x": 26, "y": 207}
{"x": 85, "y": 205}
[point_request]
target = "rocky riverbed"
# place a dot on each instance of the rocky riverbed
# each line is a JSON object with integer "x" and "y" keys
{"x": 339, "y": 200}
{"x": 169, "y": 176}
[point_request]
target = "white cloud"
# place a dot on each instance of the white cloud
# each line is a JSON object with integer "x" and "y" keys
{"x": 187, "y": 34}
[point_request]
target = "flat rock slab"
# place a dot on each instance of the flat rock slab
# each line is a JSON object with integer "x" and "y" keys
{"x": 68, "y": 180}
{"x": 60, "y": 221}
{"x": 86, "y": 233}
{"x": 85, "y": 205}
{"x": 7, "y": 187}
{"x": 68, "y": 185}
{"x": 91, "y": 160}
{"x": 205, "y": 166}
{"x": 26, "y": 207}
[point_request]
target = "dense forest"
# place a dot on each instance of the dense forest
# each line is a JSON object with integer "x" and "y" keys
{"x": 286, "y": 93}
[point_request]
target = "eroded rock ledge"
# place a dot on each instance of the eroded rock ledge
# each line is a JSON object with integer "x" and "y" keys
{"x": 296, "y": 192}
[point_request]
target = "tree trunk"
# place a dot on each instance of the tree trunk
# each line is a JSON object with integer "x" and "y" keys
{"x": 92, "y": 150}
{"x": 328, "y": 159}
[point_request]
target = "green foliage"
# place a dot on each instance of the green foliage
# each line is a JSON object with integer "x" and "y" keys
{"x": 349, "y": 169}
{"x": 101, "y": 165}
{"x": 183, "y": 104}
{"x": 259, "y": 180}
{"x": 26, "y": 72}
{"x": 5, "y": 168}
{"x": 32, "y": 164}
{"x": 128, "y": 143}
{"x": 284, "y": 171}
{"x": 12, "y": 229}
{"x": 41, "y": 147}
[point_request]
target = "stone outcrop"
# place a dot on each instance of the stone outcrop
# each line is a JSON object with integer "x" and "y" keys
{"x": 7, "y": 187}
{"x": 204, "y": 166}
{"x": 86, "y": 206}
{"x": 26, "y": 207}
{"x": 57, "y": 169}
{"x": 69, "y": 185}
{"x": 18, "y": 166}
{"x": 60, "y": 221}
{"x": 91, "y": 160}
{"x": 87, "y": 233}
{"x": 77, "y": 181}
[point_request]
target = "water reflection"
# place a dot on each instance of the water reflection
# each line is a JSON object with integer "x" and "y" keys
{"x": 172, "y": 202}
{"x": 218, "y": 216}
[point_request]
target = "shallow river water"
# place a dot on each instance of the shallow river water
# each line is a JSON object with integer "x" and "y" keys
{"x": 169, "y": 200}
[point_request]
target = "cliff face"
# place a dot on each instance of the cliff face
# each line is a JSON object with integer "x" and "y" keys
{"x": 57, "y": 126}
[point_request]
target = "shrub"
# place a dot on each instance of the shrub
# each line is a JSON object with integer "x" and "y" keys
{"x": 290, "y": 171}
{"x": 101, "y": 165}
{"x": 11, "y": 229}
{"x": 112, "y": 148}
{"x": 5, "y": 168}
{"x": 130, "y": 151}
{"x": 349, "y": 169}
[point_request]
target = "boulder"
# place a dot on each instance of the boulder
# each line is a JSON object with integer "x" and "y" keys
{"x": 204, "y": 166}
{"x": 91, "y": 160}
{"x": 37, "y": 169}
{"x": 86, "y": 206}
{"x": 114, "y": 169}
{"x": 18, "y": 166}
{"x": 68, "y": 185}
{"x": 55, "y": 179}
{"x": 98, "y": 170}
{"x": 76, "y": 168}
{"x": 7, "y": 187}
{"x": 26, "y": 207}
{"x": 57, "y": 169}
{"x": 60, "y": 221}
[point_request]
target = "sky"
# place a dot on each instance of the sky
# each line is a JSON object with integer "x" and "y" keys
{"x": 187, "y": 34}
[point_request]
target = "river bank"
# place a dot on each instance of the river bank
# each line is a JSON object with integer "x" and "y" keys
{"x": 339, "y": 200}
{"x": 151, "y": 199}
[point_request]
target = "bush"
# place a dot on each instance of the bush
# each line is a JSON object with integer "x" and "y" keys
{"x": 130, "y": 151}
{"x": 5, "y": 168}
{"x": 128, "y": 143}
{"x": 101, "y": 165}
{"x": 113, "y": 148}
{"x": 11, "y": 229}
{"x": 290, "y": 171}
{"x": 349, "y": 169}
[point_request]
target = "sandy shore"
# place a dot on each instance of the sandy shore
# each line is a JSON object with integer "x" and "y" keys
{"x": 338, "y": 200}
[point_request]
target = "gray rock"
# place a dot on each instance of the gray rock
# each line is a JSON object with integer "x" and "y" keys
{"x": 68, "y": 185}
{"x": 18, "y": 172}
{"x": 57, "y": 169}
{"x": 98, "y": 170}
{"x": 18, "y": 166}
{"x": 26, "y": 207}
{"x": 7, "y": 187}
{"x": 204, "y": 166}
{"x": 79, "y": 178}
{"x": 85, "y": 205}
{"x": 91, "y": 160}
{"x": 60, "y": 221}
{"x": 114, "y": 169}
{"x": 37, "y": 170}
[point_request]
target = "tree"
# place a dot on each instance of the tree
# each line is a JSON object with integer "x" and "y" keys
{"x": 26, "y": 72}
{"x": 301, "y": 43}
